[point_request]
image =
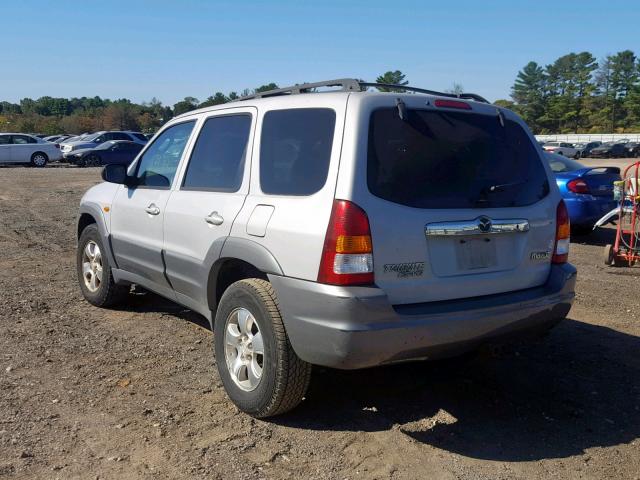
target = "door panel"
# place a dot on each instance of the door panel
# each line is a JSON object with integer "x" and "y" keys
{"x": 138, "y": 213}
{"x": 136, "y": 232}
{"x": 200, "y": 214}
{"x": 5, "y": 152}
{"x": 191, "y": 231}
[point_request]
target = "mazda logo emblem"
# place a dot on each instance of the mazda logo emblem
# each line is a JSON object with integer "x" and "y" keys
{"x": 484, "y": 224}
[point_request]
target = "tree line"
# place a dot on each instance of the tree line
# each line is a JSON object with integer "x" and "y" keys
{"x": 49, "y": 115}
{"x": 578, "y": 94}
{"x": 574, "y": 94}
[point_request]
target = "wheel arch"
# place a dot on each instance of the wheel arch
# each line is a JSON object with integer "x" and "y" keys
{"x": 89, "y": 214}
{"x": 239, "y": 258}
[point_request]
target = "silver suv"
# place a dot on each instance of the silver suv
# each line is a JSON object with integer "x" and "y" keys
{"x": 348, "y": 229}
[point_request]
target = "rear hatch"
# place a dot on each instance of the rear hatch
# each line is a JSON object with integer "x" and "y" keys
{"x": 460, "y": 204}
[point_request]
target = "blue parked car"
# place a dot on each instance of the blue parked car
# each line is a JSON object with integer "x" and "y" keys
{"x": 113, "y": 151}
{"x": 587, "y": 191}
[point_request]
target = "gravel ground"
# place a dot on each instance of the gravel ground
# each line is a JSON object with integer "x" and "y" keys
{"x": 131, "y": 393}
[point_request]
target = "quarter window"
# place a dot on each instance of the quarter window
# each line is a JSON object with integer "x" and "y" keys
{"x": 217, "y": 161}
{"x": 157, "y": 166}
{"x": 295, "y": 150}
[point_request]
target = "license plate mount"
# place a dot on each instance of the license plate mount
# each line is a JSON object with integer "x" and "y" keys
{"x": 476, "y": 253}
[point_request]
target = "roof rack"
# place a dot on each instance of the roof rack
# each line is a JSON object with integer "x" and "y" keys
{"x": 353, "y": 85}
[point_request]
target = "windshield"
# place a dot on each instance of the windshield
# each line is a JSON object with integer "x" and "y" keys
{"x": 560, "y": 164}
{"x": 442, "y": 159}
{"x": 90, "y": 138}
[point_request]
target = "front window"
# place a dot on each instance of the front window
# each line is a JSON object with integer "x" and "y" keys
{"x": 443, "y": 159}
{"x": 158, "y": 165}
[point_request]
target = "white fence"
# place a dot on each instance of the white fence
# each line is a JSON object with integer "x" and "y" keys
{"x": 590, "y": 137}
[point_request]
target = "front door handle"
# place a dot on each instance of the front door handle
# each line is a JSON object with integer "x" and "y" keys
{"x": 152, "y": 209}
{"x": 214, "y": 218}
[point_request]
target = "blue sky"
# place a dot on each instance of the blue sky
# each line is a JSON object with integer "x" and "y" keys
{"x": 172, "y": 49}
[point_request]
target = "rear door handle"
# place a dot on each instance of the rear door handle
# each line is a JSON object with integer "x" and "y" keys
{"x": 152, "y": 209}
{"x": 214, "y": 218}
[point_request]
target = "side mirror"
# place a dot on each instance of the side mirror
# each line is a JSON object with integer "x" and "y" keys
{"x": 115, "y": 173}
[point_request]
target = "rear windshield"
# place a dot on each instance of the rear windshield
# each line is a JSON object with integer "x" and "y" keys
{"x": 560, "y": 164}
{"x": 437, "y": 159}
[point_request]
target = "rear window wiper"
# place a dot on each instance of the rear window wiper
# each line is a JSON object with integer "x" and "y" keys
{"x": 500, "y": 187}
{"x": 491, "y": 189}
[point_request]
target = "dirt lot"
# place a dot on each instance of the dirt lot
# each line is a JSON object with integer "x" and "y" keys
{"x": 88, "y": 393}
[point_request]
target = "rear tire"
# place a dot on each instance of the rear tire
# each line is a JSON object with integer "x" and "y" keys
{"x": 94, "y": 271}
{"x": 39, "y": 159}
{"x": 261, "y": 384}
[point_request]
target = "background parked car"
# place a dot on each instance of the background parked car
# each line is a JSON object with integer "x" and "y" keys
{"x": 57, "y": 138}
{"x": 584, "y": 148}
{"x": 23, "y": 148}
{"x": 587, "y": 191}
{"x": 97, "y": 138}
{"x": 633, "y": 149}
{"x": 114, "y": 151}
{"x": 561, "y": 148}
{"x": 610, "y": 150}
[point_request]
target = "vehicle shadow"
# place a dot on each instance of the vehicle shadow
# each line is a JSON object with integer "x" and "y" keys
{"x": 599, "y": 237}
{"x": 143, "y": 301}
{"x": 576, "y": 389}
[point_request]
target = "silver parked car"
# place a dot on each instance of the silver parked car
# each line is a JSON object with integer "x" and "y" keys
{"x": 95, "y": 139}
{"x": 347, "y": 229}
{"x": 27, "y": 149}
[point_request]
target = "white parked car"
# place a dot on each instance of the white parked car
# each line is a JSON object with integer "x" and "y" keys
{"x": 561, "y": 148}
{"x": 23, "y": 148}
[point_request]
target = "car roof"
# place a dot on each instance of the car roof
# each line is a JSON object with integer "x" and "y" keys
{"x": 295, "y": 100}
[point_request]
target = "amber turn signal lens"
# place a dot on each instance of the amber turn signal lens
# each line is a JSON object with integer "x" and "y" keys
{"x": 353, "y": 244}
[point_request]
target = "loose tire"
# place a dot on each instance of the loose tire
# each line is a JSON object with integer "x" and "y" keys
{"x": 259, "y": 369}
{"x": 39, "y": 159}
{"x": 608, "y": 255}
{"x": 94, "y": 272}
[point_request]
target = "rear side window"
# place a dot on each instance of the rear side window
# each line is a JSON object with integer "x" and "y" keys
{"x": 217, "y": 161}
{"x": 5, "y": 139}
{"x": 437, "y": 159}
{"x": 23, "y": 140}
{"x": 295, "y": 150}
{"x": 119, "y": 136}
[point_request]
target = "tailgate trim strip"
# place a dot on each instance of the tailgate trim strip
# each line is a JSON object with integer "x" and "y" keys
{"x": 480, "y": 226}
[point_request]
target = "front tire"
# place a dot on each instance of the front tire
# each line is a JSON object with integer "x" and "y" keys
{"x": 39, "y": 159}
{"x": 92, "y": 161}
{"x": 260, "y": 372}
{"x": 94, "y": 271}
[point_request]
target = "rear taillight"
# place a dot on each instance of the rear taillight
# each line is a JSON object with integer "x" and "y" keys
{"x": 578, "y": 186}
{"x": 347, "y": 256}
{"x": 563, "y": 234}
{"x": 452, "y": 104}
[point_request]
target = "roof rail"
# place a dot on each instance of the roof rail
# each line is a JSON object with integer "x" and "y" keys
{"x": 353, "y": 85}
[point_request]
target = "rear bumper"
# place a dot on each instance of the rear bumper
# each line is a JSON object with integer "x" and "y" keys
{"x": 586, "y": 211}
{"x": 357, "y": 327}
